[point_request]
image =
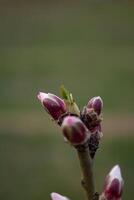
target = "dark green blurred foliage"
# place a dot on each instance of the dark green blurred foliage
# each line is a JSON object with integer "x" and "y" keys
{"x": 86, "y": 45}
{"x": 34, "y": 166}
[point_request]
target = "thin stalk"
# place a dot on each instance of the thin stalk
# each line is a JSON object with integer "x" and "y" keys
{"x": 87, "y": 171}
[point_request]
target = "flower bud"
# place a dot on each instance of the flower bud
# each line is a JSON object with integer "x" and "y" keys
{"x": 74, "y": 130}
{"x": 96, "y": 103}
{"x": 56, "y": 196}
{"x": 113, "y": 184}
{"x": 96, "y": 129}
{"x": 52, "y": 104}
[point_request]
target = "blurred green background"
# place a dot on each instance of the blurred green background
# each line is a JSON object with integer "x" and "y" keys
{"x": 89, "y": 47}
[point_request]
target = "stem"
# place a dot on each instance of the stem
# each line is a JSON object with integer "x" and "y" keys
{"x": 87, "y": 171}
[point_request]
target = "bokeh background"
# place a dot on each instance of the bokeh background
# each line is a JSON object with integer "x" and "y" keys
{"x": 89, "y": 47}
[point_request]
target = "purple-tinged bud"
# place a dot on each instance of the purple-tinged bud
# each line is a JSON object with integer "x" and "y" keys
{"x": 56, "y": 196}
{"x": 96, "y": 103}
{"x": 97, "y": 130}
{"x": 113, "y": 186}
{"x": 52, "y": 104}
{"x": 74, "y": 130}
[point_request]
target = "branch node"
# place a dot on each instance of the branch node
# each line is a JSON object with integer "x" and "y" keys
{"x": 83, "y": 183}
{"x": 96, "y": 196}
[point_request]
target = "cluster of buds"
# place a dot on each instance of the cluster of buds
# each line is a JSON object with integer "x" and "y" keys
{"x": 82, "y": 129}
{"x": 77, "y": 127}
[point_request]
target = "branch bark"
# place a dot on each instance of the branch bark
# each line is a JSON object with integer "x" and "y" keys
{"x": 87, "y": 171}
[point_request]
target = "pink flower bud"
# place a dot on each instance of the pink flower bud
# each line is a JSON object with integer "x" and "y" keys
{"x": 56, "y": 196}
{"x": 52, "y": 104}
{"x": 74, "y": 130}
{"x": 113, "y": 184}
{"x": 96, "y": 103}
